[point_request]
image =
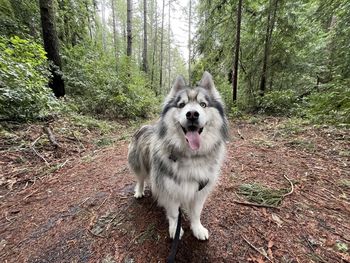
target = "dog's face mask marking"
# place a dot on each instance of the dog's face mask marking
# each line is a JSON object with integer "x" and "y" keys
{"x": 191, "y": 115}
{"x": 191, "y": 108}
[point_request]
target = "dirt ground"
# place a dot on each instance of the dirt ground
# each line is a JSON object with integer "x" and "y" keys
{"x": 84, "y": 210}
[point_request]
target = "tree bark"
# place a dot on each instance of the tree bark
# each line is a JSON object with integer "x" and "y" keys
{"x": 161, "y": 50}
{"x": 267, "y": 47}
{"x": 129, "y": 28}
{"x": 114, "y": 33}
{"x": 51, "y": 46}
{"x": 235, "y": 64}
{"x": 144, "y": 54}
{"x": 169, "y": 47}
{"x": 103, "y": 26}
{"x": 189, "y": 43}
{"x": 155, "y": 40}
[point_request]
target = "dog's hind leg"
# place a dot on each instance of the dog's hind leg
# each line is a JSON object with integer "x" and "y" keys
{"x": 140, "y": 186}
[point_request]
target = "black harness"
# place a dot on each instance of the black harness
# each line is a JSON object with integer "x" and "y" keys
{"x": 175, "y": 243}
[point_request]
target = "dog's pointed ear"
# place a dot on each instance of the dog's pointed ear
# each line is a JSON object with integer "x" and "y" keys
{"x": 207, "y": 83}
{"x": 178, "y": 85}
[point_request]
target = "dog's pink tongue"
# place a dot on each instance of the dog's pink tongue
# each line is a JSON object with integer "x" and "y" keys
{"x": 193, "y": 139}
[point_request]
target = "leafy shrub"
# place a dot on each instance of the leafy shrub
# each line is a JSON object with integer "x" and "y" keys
{"x": 23, "y": 78}
{"x": 97, "y": 87}
{"x": 278, "y": 102}
{"x": 330, "y": 106}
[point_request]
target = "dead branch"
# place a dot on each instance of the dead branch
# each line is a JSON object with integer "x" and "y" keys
{"x": 254, "y": 204}
{"x": 32, "y": 193}
{"x": 96, "y": 235}
{"x": 291, "y": 185}
{"x": 256, "y": 249}
{"x": 51, "y": 136}
{"x": 240, "y": 135}
{"x": 35, "y": 151}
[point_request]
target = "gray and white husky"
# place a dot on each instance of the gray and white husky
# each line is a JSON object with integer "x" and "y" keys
{"x": 181, "y": 155}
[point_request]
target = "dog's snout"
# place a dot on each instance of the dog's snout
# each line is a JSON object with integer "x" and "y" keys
{"x": 192, "y": 115}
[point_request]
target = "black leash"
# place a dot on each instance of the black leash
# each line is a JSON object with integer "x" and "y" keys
{"x": 175, "y": 243}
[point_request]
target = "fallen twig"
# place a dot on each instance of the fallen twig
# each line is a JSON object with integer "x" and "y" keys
{"x": 104, "y": 201}
{"x": 256, "y": 249}
{"x": 51, "y": 136}
{"x": 34, "y": 192}
{"x": 291, "y": 185}
{"x": 35, "y": 151}
{"x": 255, "y": 204}
{"x": 240, "y": 135}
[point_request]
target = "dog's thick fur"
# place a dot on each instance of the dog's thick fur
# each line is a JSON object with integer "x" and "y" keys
{"x": 182, "y": 153}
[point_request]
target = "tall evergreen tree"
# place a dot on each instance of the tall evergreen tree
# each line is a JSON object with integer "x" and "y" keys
{"x": 237, "y": 45}
{"x": 52, "y": 46}
{"x": 161, "y": 49}
{"x": 144, "y": 53}
{"x": 129, "y": 28}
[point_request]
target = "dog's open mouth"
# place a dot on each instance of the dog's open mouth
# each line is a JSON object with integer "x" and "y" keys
{"x": 192, "y": 135}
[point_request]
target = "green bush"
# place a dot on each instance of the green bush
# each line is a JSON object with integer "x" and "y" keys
{"x": 98, "y": 88}
{"x": 278, "y": 102}
{"x": 330, "y": 106}
{"x": 23, "y": 78}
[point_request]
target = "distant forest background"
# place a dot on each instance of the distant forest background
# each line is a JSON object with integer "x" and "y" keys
{"x": 115, "y": 59}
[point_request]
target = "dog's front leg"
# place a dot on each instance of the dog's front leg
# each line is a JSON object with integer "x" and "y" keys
{"x": 172, "y": 212}
{"x": 195, "y": 210}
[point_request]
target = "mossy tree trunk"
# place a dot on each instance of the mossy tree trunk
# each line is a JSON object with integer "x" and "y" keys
{"x": 51, "y": 46}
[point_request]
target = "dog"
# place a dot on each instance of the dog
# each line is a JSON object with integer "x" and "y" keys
{"x": 181, "y": 155}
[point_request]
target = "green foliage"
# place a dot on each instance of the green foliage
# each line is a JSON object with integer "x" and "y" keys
{"x": 278, "y": 102}
{"x": 309, "y": 46}
{"x": 19, "y": 18}
{"x": 330, "y": 106}
{"x": 100, "y": 89}
{"x": 23, "y": 79}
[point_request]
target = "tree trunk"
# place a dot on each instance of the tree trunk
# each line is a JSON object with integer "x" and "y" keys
{"x": 51, "y": 46}
{"x": 103, "y": 26}
{"x": 238, "y": 38}
{"x": 169, "y": 48}
{"x": 161, "y": 50}
{"x": 267, "y": 47}
{"x": 95, "y": 21}
{"x": 189, "y": 43}
{"x": 88, "y": 17}
{"x": 155, "y": 38}
{"x": 114, "y": 33}
{"x": 144, "y": 54}
{"x": 129, "y": 28}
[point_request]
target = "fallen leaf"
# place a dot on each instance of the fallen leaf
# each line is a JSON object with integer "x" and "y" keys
{"x": 277, "y": 220}
{"x": 269, "y": 250}
{"x": 3, "y": 243}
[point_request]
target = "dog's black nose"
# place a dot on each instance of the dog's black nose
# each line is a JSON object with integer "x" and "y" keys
{"x": 192, "y": 115}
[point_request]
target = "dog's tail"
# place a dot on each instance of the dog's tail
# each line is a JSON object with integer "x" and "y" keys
{"x": 175, "y": 243}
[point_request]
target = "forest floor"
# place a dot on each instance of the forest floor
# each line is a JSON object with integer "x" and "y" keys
{"x": 74, "y": 202}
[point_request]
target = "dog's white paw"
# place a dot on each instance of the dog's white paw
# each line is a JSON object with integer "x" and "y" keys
{"x": 139, "y": 195}
{"x": 200, "y": 232}
{"x": 172, "y": 231}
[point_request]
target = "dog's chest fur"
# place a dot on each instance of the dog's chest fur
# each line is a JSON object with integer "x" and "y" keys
{"x": 181, "y": 176}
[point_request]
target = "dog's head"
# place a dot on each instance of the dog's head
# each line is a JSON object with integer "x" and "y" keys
{"x": 195, "y": 115}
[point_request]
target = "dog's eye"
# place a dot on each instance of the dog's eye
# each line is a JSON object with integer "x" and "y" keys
{"x": 182, "y": 104}
{"x": 203, "y": 105}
